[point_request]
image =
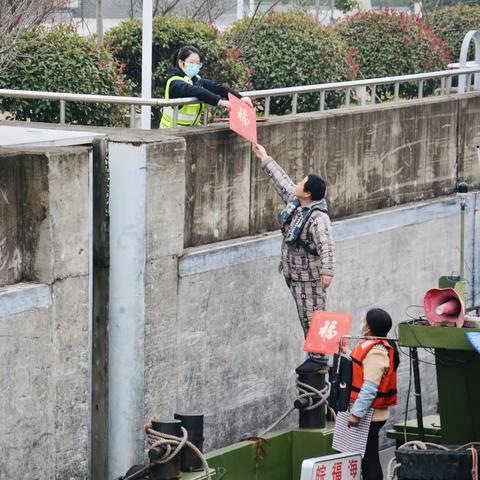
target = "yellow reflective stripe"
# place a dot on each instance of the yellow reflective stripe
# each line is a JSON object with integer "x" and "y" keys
{"x": 188, "y": 115}
{"x": 168, "y": 111}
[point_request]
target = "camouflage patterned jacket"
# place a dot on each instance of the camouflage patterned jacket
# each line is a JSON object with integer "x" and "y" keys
{"x": 297, "y": 263}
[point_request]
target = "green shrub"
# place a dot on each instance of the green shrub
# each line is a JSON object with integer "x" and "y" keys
{"x": 291, "y": 49}
{"x": 60, "y": 60}
{"x": 389, "y": 43}
{"x": 169, "y": 34}
{"x": 452, "y": 23}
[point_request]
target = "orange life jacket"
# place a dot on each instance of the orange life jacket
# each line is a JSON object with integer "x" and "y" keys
{"x": 387, "y": 390}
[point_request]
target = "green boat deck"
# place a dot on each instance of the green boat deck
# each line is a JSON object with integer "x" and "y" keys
{"x": 278, "y": 457}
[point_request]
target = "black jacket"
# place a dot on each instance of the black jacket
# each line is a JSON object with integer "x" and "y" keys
{"x": 205, "y": 90}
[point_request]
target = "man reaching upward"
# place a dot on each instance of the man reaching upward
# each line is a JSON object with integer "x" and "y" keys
{"x": 308, "y": 250}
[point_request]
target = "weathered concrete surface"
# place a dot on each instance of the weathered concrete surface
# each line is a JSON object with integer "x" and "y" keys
{"x": 371, "y": 158}
{"x": 10, "y": 253}
{"x": 22, "y": 204}
{"x": 44, "y": 398}
{"x": 238, "y": 346}
{"x": 469, "y": 140}
{"x": 164, "y": 237}
{"x": 217, "y": 177}
{"x": 32, "y": 247}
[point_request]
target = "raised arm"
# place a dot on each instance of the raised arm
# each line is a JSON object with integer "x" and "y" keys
{"x": 222, "y": 90}
{"x": 283, "y": 184}
{"x": 181, "y": 89}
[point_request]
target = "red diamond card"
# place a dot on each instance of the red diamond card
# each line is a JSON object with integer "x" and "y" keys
{"x": 242, "y": 119}
{"x": 326, "y": 329}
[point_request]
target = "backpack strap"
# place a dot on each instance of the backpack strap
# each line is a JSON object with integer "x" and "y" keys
{"x": 299, "y": 243}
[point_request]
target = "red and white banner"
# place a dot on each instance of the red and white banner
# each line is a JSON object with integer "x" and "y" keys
{"x": 326, "y": 329}
{"x": 343, "y": 466}
{"x": 243, "y": 119}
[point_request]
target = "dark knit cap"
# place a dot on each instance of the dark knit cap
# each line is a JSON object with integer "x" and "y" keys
{"x": 379, "y": 322}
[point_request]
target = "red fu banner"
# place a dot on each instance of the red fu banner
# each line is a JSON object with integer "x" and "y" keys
{"x": 242, "y": 119}
{"x": 325, "y": 331}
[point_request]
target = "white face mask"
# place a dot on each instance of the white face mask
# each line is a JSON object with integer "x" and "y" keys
{"x": 192, "y": 69}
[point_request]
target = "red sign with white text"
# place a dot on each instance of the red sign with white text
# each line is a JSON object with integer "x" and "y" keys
{"x": 326, "y": 329}
{"x": 343, "y": 466}
{"x": 243, "y": 119}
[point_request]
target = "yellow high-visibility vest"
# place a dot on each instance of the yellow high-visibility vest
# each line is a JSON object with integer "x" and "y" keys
{"x": 188, "y": 115}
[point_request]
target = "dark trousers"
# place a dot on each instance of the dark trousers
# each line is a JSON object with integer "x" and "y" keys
{"x": 371, "y": 468}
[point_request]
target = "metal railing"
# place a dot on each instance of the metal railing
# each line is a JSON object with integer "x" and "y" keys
{"x": 445, "y": 77}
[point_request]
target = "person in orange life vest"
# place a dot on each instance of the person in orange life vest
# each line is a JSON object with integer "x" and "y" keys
{"x": 184, "y": 81}
{"x": 374, "y": 384}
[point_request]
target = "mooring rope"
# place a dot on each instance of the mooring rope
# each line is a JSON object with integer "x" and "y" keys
{"x": 474, "y": 453}
{"x": 417, "y": 444}
{"x": 172, "y": 446}
{"x": 310, "y": 393}
{"x": 316, "y": 398}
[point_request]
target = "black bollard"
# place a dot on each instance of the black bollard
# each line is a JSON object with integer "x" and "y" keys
{"x": 171, "y": 469}
{"x": 311, "y": 418}
{"x": 193, "y": 423}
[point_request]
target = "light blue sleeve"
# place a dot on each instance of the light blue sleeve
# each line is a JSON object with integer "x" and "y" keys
{"x": 366, "y": 396}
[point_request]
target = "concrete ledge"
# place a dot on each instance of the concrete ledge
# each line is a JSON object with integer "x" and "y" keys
{"x": 225, "y": 254}
{"x": 22, "y": 297}
{"x": 249, "y": 249}
{"x": 395, "y": 217}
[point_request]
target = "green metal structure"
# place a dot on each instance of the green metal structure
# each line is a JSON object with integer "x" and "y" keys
{"x": 458, "y": 381}
{"x": 279, "y": 456}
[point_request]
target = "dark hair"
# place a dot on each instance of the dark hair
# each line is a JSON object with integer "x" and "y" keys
{"x": 183, "y": 53}
{"x": 316, "y": 185}
{"x": 380, "y": 323}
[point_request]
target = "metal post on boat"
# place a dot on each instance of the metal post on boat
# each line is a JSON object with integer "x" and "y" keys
{"x": 311, "y": 417}
{"x": 193, "y": 423}
{"x": 169, "y": 470}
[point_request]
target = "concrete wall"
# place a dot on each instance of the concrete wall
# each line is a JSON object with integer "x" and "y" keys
{"x": 214, "y": 327}
{"x": 371, "y": 158}
{"x": 44, "y": 316}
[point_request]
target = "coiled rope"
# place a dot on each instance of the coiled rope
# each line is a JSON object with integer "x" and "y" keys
{"x": 417, "y": 444}
{"x": 171, "y": 446}
{"x": 315, "y": 398}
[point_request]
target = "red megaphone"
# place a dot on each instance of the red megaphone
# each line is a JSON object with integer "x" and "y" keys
{"x": 443, "y": 306}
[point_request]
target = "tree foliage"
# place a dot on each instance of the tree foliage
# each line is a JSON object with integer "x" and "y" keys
{"x": 60, "y": 60}
{"x": 389, "y": 43}
{"x": 452, "y": 23}
{"x": 291, "y": 49}
{"x": 18, "y": 17}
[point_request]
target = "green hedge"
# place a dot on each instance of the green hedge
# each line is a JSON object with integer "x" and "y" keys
{"x": 170, "y": 33}
{"x": 290, "y": 49}
{"x": 60, "y": 60}
{"x": 452, "y": 23}
{"x": 389, "y": 43}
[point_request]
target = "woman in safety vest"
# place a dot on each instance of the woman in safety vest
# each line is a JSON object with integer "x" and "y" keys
{"x": 374, "y": 384}
{"x": 184, "y": 81}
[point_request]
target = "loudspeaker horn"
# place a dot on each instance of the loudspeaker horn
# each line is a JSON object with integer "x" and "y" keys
{"x": 443, "y": 306}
